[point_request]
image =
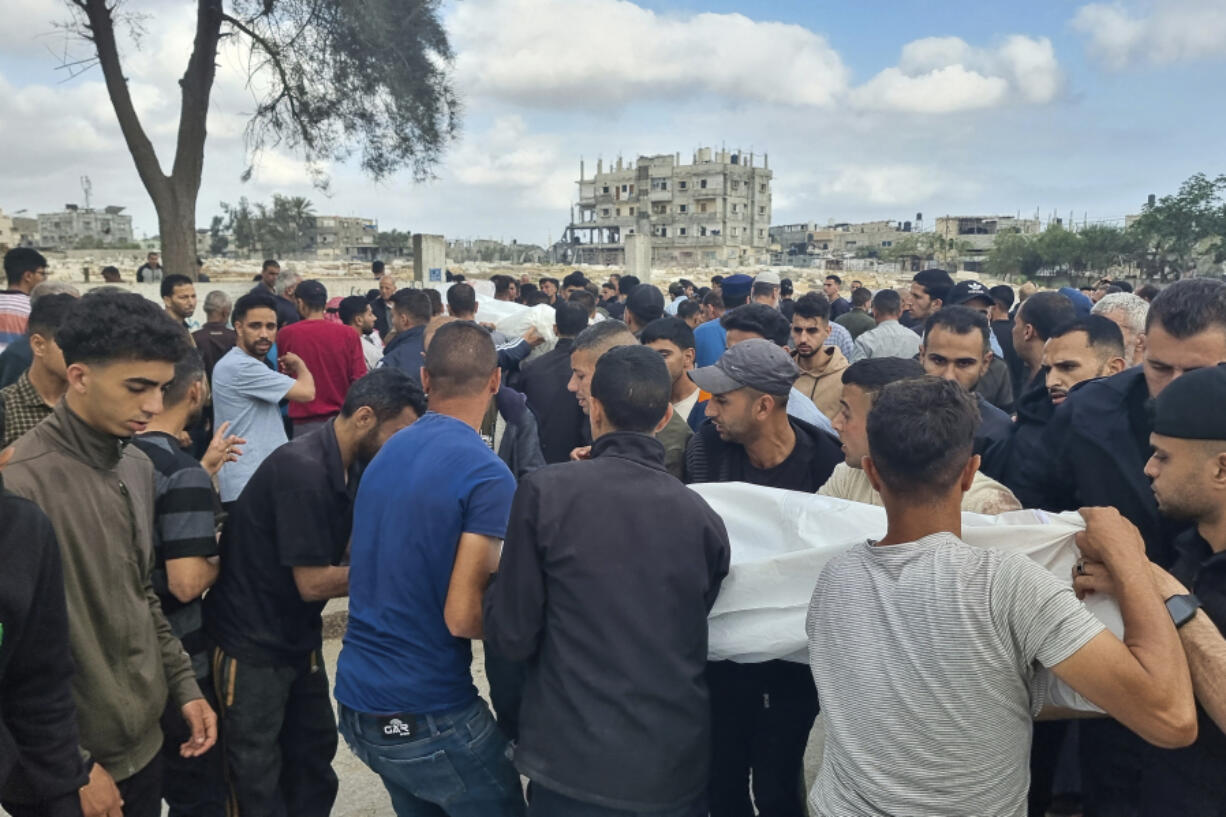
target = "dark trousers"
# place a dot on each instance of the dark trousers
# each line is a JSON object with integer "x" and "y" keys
{"x": 506, "y": 679}
{"x": 192, "y": 786}
{"x": 547, "y": 803}
{"x": 141, "y": 794}
{"x": 279, "y": 736}
{"x": 761, "y": 716}
{"x": 1045, "y": 745}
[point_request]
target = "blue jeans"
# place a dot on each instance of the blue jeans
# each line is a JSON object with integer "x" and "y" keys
{"x": 455, "y": 764}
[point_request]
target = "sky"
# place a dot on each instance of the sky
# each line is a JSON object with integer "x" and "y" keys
{"x": 868, "y": 110}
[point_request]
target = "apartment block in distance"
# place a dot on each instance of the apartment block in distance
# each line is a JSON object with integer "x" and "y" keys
{"x": 63, "y": 230}
{"x": 343, "y": 237}
{"x": 715, "y": 211}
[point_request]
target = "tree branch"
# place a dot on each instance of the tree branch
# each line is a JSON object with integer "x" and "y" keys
{"x": 287, "y": 93}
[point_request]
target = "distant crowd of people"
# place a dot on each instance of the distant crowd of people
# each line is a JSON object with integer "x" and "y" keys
{"x": 180, "y": 505}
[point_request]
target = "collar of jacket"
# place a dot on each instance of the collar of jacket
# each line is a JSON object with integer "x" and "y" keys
{"x": 403, "y": 337}
{"x": 82, "y": 441}
{"x": 631, "y": 445}
{"x": 564, "y": 345}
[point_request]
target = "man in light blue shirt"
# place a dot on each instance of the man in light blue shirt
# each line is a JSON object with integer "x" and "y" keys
{"x": 890, "y": 338}
{"x": 246, "y": 391}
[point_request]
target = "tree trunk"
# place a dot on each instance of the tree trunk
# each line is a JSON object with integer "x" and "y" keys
{"x": 173, "y": 195}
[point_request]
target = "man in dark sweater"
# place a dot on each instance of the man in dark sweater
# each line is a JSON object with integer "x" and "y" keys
{"x": 543, "y": 381}
{"x": 761, "y": 713}
{"x": 615, "y": 718}
{"x": 39, "y": 757}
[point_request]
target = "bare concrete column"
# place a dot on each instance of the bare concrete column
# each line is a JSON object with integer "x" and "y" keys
{"x": 638, "y": 257}
{"x": 429, "y": 258}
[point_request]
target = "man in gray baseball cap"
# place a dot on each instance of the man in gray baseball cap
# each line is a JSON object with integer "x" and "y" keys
{"x": 761, "y": 713}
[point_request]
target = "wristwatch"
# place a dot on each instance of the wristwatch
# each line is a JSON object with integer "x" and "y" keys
{"x": 1182, "y": 608}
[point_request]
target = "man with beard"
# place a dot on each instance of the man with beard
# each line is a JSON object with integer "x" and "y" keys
{"x": 1188, "y": 469}
{"x": 356, "y": 313}
{"x": 281, "y": 554}
{"x": 821, "y": 366}
{"x": 246, "y": 390}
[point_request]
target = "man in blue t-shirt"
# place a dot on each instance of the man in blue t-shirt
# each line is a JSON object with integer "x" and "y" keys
{"x": 429, "y": 521}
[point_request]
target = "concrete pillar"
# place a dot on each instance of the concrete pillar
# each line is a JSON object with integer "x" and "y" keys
{"x": 429, "y": 258}
{"x": 638, "y": 257}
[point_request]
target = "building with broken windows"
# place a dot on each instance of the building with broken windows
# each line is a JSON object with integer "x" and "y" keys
{"x": 75, "y": 226}
{"x": 714, "y": 211}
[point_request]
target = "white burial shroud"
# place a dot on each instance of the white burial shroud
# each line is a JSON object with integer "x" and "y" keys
{"x": 782, "y": 539}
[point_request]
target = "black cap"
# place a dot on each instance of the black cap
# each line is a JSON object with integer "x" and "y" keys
{"x": 966, "y": 291}
{"x": 646, "y": 302}
{"x": 1190, "y": 408}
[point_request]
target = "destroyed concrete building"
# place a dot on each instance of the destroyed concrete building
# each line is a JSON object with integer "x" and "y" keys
{"x": 713, "y": 212}
{"x": 978, "y": 234}
{"x": 76, "y": 225}
{"x": 836, "y": 240}
{"x": 339, "y": 237}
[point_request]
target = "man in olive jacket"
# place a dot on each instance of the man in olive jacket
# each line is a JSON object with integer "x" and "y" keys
{"x": 120, "y": 350}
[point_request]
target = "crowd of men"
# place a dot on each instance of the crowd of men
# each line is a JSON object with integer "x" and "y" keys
{"x": 180, "y": 505}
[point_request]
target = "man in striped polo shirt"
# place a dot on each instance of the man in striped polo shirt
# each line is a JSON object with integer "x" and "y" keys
{"x": 24, "y": 269}
{"x": 185, "y": 565}
{"x": 927, "y": 651}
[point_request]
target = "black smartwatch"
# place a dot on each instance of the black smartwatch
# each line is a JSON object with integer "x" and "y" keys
{"x": 1182, "y": 608}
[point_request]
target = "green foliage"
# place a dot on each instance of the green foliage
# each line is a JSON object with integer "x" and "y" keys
{"x": 352, "y": 77}
{"x": 397, "y": 241}
{"x": 283, "y": 227}
{"x": 1182, "y": 230}
{"x": 218, "y": 243}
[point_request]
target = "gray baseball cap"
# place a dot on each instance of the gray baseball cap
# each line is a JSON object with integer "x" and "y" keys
{"x": 756, "y": 363}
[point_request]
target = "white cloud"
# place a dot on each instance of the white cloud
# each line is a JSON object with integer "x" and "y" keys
{"x": 1168, "y": 32}
{"x": 893, "y": 184}
{"x": 608, "y": 53}
{"x": 946, "y": 74}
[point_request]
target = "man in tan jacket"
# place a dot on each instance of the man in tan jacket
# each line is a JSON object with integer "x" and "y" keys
{"x": 97, "y": 490}
{"x": 821, "y": 366}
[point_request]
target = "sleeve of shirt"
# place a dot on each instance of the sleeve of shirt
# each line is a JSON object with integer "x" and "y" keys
{"x": 255, "y": 380}
{"x": 512, "y": 354}
{"x": 304, "y": 526}
{"x": 1038, "y": 613}
{"x": 357, "y": 358}
{"x": 515, "y": 603}
{"x": 860, "y": 350}
{"x": 488, "y": 504}
{"x": 184, "y": 515}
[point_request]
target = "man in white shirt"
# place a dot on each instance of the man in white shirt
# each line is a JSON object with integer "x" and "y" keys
{"x": 862, "y": 382}
{"x": 926, "y": 651}
{"x": 356, "y": 312}
{"x": 246, "y": 390}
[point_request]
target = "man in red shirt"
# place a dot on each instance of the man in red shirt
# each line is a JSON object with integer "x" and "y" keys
{"x": 331, "y": 351}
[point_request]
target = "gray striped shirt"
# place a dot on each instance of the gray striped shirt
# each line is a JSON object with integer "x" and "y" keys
{"x": 925, "y": 656}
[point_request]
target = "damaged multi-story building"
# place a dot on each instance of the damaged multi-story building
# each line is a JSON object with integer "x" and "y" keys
{"x": 715, "y": 211}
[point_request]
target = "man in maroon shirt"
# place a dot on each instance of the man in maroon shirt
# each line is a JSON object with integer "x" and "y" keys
{"x": 332, "y": 352}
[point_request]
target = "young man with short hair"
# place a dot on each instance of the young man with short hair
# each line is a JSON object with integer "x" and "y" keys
{"x": 946, "y": 729}
{"x": 24, "y": 269}
{"x": 644, "y": 305}
{"x": 862, "y": 382}
{"x": 120, "y": 350}
{"x": 832, "y": 287}
{"x": 356, "y": 313}
{"x": 179, "y": 298}
{"x": 1035, "y": 321}
{"x": 889, "y": 338}
{"x": 411, "y": 312}
{"x": 331, "y": 351}
{"x": 247, "y": 390}
{"x": 27, "y": 402}
{"x": 428, "y": 521}
{"x": 856, "y": 320}
{"x": 674, "y": 340}
{"x": 282, "y": 550}
{"x": 184, "y": 567}
{"x": 762, "y": 712}
{"x": 549, "y": 288}
{"x": 928, "y": 290}
{"x": 584, "y": 743}
{"x": 821, "y": 366}
{"x": 151, "y": 271}
{"x": 956, "y": 347}
{"x": 690, "y": 311}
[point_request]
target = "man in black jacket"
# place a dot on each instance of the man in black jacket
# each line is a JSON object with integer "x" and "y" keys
{"x": 956, "y": 347}
{"x": 543, "y": 381}
{"x": 611, "y": 611}
{"x": 1094, "y": 452}
{"x": 761, "y": 713}
{"x": 40, "y": 765}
